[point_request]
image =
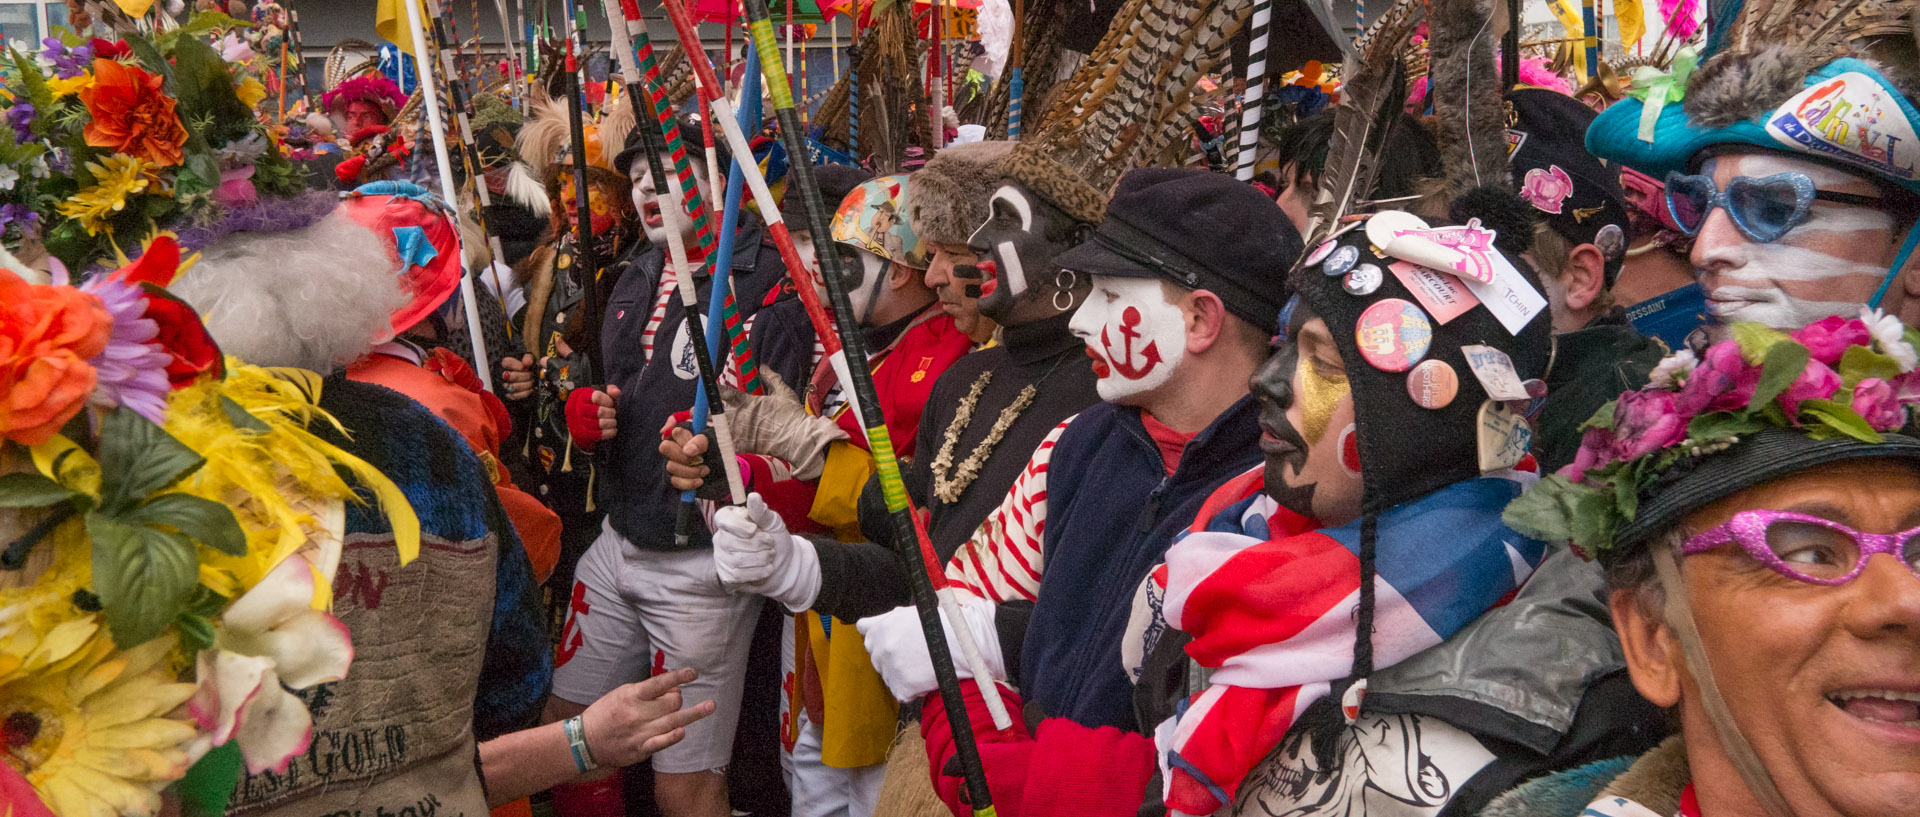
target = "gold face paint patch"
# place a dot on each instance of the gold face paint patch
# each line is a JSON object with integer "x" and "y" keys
{"x": 1319, "y": 393}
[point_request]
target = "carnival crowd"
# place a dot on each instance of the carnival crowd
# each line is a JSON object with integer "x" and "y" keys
{"x": 1578, "y": 480}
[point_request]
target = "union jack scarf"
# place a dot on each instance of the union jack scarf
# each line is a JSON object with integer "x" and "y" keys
{"x": 1270, "y": 604}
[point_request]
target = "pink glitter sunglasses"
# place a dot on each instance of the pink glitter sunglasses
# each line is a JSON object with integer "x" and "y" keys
{"x": 1807, "y": 548}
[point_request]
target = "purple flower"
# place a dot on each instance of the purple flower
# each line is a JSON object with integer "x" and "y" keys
{"x": 67, "y": 62}
{"x": 132, "y": 369}
{"x": 1722, "y": 382}
{"x": 1877, "y": 403}
{"x": 20, "y": 116}
{"x": 60, "y": 160}
{"x": 1828, "y": 338}
{"x": 1645, "y": 422}
{"x": 1596, "y": 451}
{"x": 21, "y": 215}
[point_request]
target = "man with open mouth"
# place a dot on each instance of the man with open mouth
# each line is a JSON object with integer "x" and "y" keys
{"x": 1759, "y": 592}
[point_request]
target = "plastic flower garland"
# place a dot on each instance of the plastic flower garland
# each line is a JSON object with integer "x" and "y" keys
{"x": 170, "y": 530}
{"x": 109, "y": 141}
{"x": 1840, "y": 377}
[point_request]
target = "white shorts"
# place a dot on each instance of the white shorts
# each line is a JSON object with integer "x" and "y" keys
{"x": 636, "y": 612}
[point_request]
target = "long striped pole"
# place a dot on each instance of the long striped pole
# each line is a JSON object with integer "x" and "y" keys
{"x": 1253, "y": 98}
{"x": 1016, "y": 81}
{"x": 439, "y": 129}
{"x": 860, "y": 382}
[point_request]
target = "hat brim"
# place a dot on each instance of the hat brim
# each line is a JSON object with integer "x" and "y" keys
{"x": 1768, "y": 455}
{"x": 1095, "y": 259}
{"x": 1615, "y": 134}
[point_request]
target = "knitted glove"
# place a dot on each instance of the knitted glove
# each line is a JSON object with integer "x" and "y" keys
{"x": 777, "y": 424}
{"x": 754, "y": 553}
{"x": 898, "y": 646}
{"x": 583, "y": 417}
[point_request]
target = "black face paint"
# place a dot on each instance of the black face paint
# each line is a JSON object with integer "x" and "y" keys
{"x": 1282, "y": 444}
{"x": 1017, "y": 245}
{"x": 969, "y": 272}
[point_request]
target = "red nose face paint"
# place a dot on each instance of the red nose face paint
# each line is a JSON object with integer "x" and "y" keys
{"x": 1350, "y": 450}
{"x": 988, "y": 269}
{"x": 987, "y": 287}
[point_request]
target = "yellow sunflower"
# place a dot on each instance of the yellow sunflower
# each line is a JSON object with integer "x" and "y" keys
{"x": 116, "y": 178}
{"x": 94, "y": 738}
{"x": 250, "y": 91}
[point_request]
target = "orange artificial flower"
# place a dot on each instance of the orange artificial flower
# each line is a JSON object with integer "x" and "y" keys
{"x": 47, "y": 335}
{"x": 132, "y": 114}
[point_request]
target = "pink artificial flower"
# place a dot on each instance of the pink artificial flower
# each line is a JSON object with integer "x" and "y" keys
{"x": 1877, "y": 403}
{"x": 1816, "y": 382}
{"x": 1828, "y": 338}
{"x": 1721, "y": 382}
{"x": 1596, "y": 451}
{"x": 1645, "y": 422}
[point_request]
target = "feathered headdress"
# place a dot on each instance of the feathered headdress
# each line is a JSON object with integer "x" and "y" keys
{"x": 1373, "y": 86}
{"x": 376, "y": 90}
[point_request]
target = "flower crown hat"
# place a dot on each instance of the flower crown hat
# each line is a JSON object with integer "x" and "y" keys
{"x": 1754, "y": 408}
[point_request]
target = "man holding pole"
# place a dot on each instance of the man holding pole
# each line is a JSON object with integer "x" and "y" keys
{"x": 642, "y": 604}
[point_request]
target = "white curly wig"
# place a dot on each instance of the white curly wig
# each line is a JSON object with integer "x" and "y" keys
{"x": 315, "y": 298}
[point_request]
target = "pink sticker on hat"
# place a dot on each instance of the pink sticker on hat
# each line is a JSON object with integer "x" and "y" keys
{"x": 1547, "y": 189}
{"x": 1444, "y": 296}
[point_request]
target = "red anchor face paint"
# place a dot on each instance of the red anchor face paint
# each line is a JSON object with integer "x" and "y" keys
{"x": 1134, "y": 336}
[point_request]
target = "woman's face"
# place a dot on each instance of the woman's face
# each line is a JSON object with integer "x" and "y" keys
{"x": 1824, "y": 681}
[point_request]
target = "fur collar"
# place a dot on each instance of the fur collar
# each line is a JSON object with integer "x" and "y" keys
{"x": 1653, "y": 780}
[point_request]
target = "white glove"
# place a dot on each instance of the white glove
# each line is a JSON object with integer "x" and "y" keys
{"x": 898, "y": 646}
{"x": 754, "y": 553}
{"x": 777, "y": 425}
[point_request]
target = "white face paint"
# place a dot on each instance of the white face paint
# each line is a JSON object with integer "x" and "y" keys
{"x": 1015, "y": 273}
{"x": 861, "y": 280}
{"x": 1136, "y": 338}
{"x": 1828, "y": 265}
{"x": 803, "y": 247}
{"x": 656, "y": 218}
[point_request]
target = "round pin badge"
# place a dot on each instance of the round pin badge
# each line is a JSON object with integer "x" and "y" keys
{"x": 1433, "y": 384}
{"x": 1363, "y": 279}
{"x": 1612, "y": 242}
{"x": 1393, "y": 335}
{"x": 1340, "y": 261}
{"x": 1321, "y": 252}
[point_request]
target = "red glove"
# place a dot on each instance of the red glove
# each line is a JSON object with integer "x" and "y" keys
{"x": 583, "y": 416}
{"x": 1066, "y": 769}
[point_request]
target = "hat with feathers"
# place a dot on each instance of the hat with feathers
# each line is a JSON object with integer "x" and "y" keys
{"x": 1832, "y": 80}
{"x": 948, "y": 198}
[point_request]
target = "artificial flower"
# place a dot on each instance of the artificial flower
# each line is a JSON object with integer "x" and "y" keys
{"x": 236, "y": 187}
{"x": 1877, "y": 402}
{"x": 133, "y": 114}
{"x": 110, "y": 50}
{"x": 1828, "y": 338}
{"x": 20, "y": 116}
{"x": 8, "y": 176}
{"x": 191, "y": 352}
{"x": 69, "y": 86}
{"x": 272, "y": 637}
{"x": 132, "y": 368}
{"x": 234, "y": 48}
{"x": 115, "y": 178}
{"x": 1596, "y": 451}
{"x": 47, "y": 334}
{"x": 1720, "y": 382}
{"x": 1646, "y": 421}
{"x": 1817, "y": 381}
{"x": 20, "y": 215}
{"x": 1890, "y": 334}
{"x": 17, "y": 798}
{"x": 1673, "y": 370}
{"x": 67, "y": 62}
{"x": 250, "y": 91}
{"x": 94, "y": 738}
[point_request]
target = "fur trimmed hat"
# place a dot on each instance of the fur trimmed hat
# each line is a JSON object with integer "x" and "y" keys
{"x": 948, "y": 198}
{"x": 1028, "y": 164}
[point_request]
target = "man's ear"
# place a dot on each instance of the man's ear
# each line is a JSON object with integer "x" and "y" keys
{"x": 1206, "y": 320}
{"x": 1652, "y": 651}
{"x": 900, "y": 276}
{"x": 1585, "y": 276}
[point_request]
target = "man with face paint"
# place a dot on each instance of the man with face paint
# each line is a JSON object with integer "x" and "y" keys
{"x": 1347, "y": 595}
{"x": 806, "y": 462}
{"x": 1578, "y": 247}
{"x": 1797, "y": 186}
{"x": 639, "y": 597}
{"x": 1183, "y": 267}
